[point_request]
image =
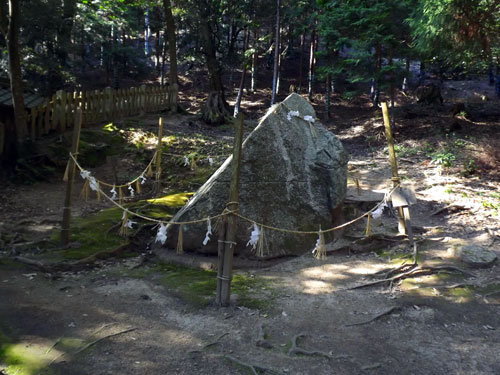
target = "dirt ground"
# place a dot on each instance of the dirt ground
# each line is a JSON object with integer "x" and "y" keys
{"x": 106, "y": 320}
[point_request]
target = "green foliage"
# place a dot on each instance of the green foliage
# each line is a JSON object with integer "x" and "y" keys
{"x": 445, "y": 159}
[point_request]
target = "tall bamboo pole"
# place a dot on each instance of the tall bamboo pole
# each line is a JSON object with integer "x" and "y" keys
{"x": 66, "y": 222}
{"x": 394, "y": 163}
{"x": 158, "y": 157}
{"x": 224, "y": 281}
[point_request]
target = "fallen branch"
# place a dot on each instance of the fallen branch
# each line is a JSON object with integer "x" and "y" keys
{"x": 92, "y": 343}
{"x": 452, "y": 205}
{"x": 295, "y": 349}
{"x": 73, "y": 266}
{"x": 255, "y": 369}
{"x": 216, "y": 341}
{"x": 261, "y": 340}
{"x": 378, "y": 316}
{"x": 416, "y": 271}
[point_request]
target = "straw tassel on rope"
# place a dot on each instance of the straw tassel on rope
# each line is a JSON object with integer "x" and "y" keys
{"x": 319, "y": 250}
{"x": 368, "y": 225}
{"x": 124, "y": 227}
{"x": 85, "y": 190}
{"x": 180, "y": 246}
{"x": 120, "y": 195}
{"x": 261, "y": 244}
{"x": 150, "y": 170}
{"x": 138, "y": 187}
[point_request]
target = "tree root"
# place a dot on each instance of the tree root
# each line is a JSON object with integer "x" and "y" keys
{"x": 380, "y": 315}
{"x": 414, "y": 271}
{"x": 295, "y": 349}
{"x": 216, "y": 341}
{"x": 254, "y": 369}
{"x": 261, "y": 340}
{"x": 73, "y": 266}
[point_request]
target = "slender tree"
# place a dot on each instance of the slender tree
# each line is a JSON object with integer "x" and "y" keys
{"x": 10, "y": 25}
{"x": 276, "y": 53}
{"x": 172, "y": 49}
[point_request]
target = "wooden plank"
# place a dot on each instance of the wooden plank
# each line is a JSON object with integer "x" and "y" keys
{"x": 33, "y": 123}
{"x": 69, "y": 109}
{"x": 54, "y": 120}
{"x": 46, "y": 127}
{"x": 62, "y": 110}
{"x": 40, "y": 120}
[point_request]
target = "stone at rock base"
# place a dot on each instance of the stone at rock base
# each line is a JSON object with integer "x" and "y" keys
{"x": 293, "y": 175}
{"x": 476, "y": 256}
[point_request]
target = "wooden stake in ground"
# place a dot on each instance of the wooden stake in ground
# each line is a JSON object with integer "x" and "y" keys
{"x": 158, "y": 157}
{"x": 66, "y": 222}
{"x": 394, "y": 163}
{"x": 224, "y": 281}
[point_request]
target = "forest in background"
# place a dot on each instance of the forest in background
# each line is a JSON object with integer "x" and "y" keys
{"x": 334, "y": 46}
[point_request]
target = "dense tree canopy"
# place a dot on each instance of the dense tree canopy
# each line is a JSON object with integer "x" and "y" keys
{"x": 98, "y": 43}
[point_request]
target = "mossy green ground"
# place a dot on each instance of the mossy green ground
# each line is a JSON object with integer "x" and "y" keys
{"x": 197, "y": 287}
{"x": 100, "y": 232}
{"x": 22, "y": 359}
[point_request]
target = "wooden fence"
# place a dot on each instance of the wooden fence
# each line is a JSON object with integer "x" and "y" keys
{"x": 58, "y": 113}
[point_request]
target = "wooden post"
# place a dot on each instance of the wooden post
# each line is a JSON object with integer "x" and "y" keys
{"x": 394, "y": 163}
{"x": 158, "y": 157}
{"x": 54, "y": 112}
{"x": 61, "y": 95}
{"x": 39, "y": 120}
{"x": 224, "y": 292}
{"x": 33, "y": 124}
{"x": 220, "y": 260}
{"x": 47, "y": 117}
{"x": 108, "y": 105}
{"x": 66, "y": 222}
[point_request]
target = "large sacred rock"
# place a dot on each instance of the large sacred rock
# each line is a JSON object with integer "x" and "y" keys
{"x": 293, "y": 175}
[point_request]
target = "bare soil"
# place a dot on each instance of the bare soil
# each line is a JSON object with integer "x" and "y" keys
{"x": 435, "y": 324}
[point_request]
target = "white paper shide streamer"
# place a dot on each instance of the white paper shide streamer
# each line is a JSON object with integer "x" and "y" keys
{"x": 161, "y": 235}
{"x": 309, "y": 118}
{"x": 85, "y": 174}
{"x": 379, "y": 211}
{"x": 209, "y": 232}
{"x": 143, "y": 179}
{"x": 93, "y": 184}
{"x": 186, "y": 161}
{"x": 113, "y": 193}
{"x": 292, "y": 114}
{"x": 254, "y": 236}
{"x": 132, "y": 191}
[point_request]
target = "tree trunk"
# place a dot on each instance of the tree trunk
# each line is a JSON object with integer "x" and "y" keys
{"x": 254, "y": 62}
{"x": 276, "y": 52}
{"x": 15, "y": 75}
{"x": 147, "y": 31}
{"x": 64, "y": 32}
{"x": 301, "y": 61}
{"x": 243, "y": 74}
{"x": 215, "y": 110}
{"x": 311, "y": 64}
{"x": 172, "y": 50}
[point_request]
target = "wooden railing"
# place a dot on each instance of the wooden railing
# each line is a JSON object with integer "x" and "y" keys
{"x": 58, "y": 113}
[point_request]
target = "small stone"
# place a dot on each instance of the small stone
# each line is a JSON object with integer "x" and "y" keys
{"x": 476, "y": 256}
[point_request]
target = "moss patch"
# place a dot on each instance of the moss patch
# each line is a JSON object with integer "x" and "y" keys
{"x": 197, "y": 287}
{"x": 23, "y": 358}
{"x": 92, "y": 234}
